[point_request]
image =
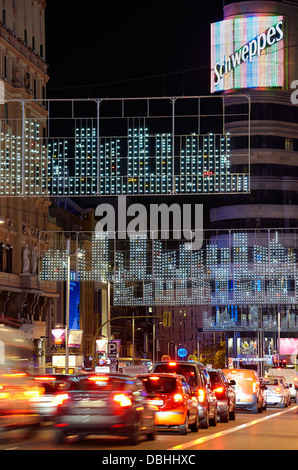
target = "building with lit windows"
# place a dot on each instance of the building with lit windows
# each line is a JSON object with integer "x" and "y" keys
{"x": 25, "y": 301}
{"x": 254, "y": 51}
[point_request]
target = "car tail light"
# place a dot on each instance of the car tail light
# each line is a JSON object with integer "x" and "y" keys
{"x": 277, "y": 390}
{"x": 60, "y": 399}
{"x": 33, "y": 392}
{"x": 45, "y": 379}
{"x": 172, "y": 364}
{"x": 218, "y": 390}
{"x": 254, "y": 387}
{"x": 178, "y": 397}
{"x": 98, "y": 378}
{"x": 201, "y": 395}
{"x": 122, "y": 400}
{"x": 154, "y": 378}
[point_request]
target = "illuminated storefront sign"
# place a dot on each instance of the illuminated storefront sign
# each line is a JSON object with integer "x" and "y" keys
{"x": 247, "y": 52}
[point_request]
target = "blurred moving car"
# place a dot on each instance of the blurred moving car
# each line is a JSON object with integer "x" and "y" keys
{"x": 45, "y": 404}
{"x": 110, "y": 403}
{"x": 17, "y": 391}
{"x": 175, "y": 405}
{"x": 277, "y": 392}
{"x": 197, "y": 378}
{"x": 291, "y": 377}
{"x": 248, "y": 389}
{"x": 225, "y": 394}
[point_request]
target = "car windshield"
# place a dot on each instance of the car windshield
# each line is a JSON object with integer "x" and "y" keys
{"x": 214, "y": 377}
{"x": 159, "y": 384}
{"x": 101, "y": 383}
{"x": 272, "y": 382}
{"x": 187, "y": 370}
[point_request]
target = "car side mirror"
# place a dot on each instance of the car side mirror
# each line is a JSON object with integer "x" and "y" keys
{"x": 232, "y": 382}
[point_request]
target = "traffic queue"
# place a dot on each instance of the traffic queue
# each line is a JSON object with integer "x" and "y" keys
{"x": 174, "y": 396}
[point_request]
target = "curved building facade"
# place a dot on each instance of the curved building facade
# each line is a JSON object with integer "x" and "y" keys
{"x": 265, "y": 68}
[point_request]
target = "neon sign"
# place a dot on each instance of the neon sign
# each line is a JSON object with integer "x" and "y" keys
{"x": 247, "y": 52}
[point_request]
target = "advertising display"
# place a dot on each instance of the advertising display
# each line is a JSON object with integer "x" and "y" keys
{"x": 247, "y": 52}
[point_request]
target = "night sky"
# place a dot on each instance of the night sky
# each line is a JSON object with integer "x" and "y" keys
{"x": 125, "y": 49}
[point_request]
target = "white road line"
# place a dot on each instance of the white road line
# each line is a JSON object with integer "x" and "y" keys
{"x": 201, "y": 440}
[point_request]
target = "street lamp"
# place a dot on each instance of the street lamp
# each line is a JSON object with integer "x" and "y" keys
{"x": 69, "y": 255}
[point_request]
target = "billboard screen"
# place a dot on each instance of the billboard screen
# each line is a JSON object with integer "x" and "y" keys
{"x": 247, "y": 52}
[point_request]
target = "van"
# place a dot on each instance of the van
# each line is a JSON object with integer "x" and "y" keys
{"x": 197, "y": 378}
{"x": 248, "y": 389}
{"x": 290, "y": 376}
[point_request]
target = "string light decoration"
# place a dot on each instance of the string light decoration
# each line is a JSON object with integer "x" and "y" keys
{"x": 148, "y": 151}
{"x": 233, "y": 271}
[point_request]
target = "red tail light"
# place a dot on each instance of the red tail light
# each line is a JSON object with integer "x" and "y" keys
{"x": 122, "y": 400}
{"x": 178, "y": 397}
{"x": 201, "y": 395}
{"x": 60, "y": 399}
{"x": 219, "y": 390}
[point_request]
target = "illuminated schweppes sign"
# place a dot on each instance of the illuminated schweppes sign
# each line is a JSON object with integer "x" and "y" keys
{"x": 247, "y": 52}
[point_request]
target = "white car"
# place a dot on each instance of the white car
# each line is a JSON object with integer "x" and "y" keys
{"x": 290, "y": 375}
{"x": 277, "y": 392}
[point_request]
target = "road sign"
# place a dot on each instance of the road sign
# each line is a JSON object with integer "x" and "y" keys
{"x": 112, "y": 349}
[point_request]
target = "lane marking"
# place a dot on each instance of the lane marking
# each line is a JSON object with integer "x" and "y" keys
{"x": 201, "y": 440}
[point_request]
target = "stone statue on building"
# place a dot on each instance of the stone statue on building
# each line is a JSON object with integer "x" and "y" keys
{"x": 26, "y": 262}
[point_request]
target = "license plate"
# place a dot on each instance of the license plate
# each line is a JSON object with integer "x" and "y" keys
{"x": 92, "y": 403}
{"x": 156, "y": 402}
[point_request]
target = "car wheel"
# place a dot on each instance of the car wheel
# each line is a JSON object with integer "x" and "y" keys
{"x": 183, "y": 428}
{"x": 224, "y": 417}
{"x": 232, "y": 414}
{"x": 213, "y": 421}
{"x": 204, "y": 423}
{"x": 196, "y": 425}
{"x": 134, "y": 436}
{"x": 152, "y": 435}
{"x": 59, "y": 437}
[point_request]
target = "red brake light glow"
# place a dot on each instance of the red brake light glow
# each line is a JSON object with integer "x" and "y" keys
{"x": 154, "y": 378}
{"x": 172, "y": 364}
{"x": 59, "y": 399}
{"x": 178, "y": 397}
{"x": 122, "y": 400}
{"x": 201, "y": 395}
{"x": 98, "y": 378}
{"x": 218, "y": 390}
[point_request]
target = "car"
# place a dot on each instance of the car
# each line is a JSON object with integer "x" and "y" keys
{"x": 175, "y": 405}
{"x": 17, "y": 390}
{"x": 277, "y": 392}
{"x": 197, "y": 378}
{"x": 225, "y": 394}
{"x": 53, "y": 384}
{"x": 291, "y": 377}
{"x": 248, "y": 388}
{"x": 110, "y": 403}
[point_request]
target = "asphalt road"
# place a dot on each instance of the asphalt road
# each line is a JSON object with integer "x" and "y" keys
{"x": 274, "y": 429}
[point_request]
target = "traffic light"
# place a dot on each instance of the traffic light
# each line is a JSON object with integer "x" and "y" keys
{"x": 166, "y": 318}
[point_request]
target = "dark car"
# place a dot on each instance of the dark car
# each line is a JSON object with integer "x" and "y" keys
{"x": 171, "y": 396}
{"x": 225, "y": 394}
{"x": 195, "y": 375}
{"x": 109, "y": 403}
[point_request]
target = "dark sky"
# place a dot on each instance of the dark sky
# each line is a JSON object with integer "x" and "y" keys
{"x": 108, "y": 50}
